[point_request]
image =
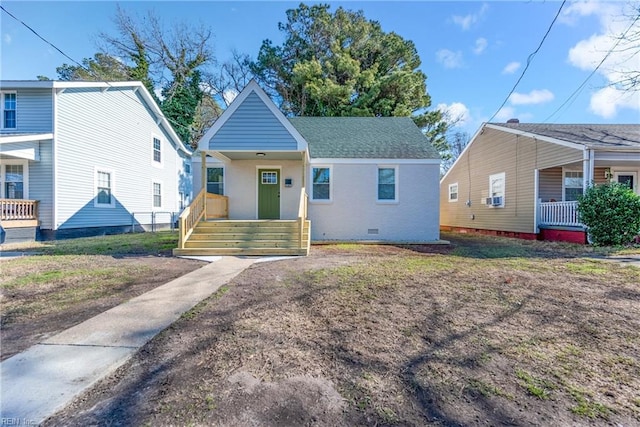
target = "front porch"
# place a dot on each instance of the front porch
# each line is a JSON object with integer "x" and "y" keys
{"x": 20, "y": 219}
{"x": 205, "y": 229}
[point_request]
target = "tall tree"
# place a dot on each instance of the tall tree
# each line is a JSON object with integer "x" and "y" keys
{"x": 341, "y": 64}
{"x": 181, "y": 106}
{"x": 101, "y": 67}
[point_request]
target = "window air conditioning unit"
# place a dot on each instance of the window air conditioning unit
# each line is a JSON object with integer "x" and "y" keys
{"x": 494, "y": 201}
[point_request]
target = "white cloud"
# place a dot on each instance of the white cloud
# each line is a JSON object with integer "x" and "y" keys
{"x": 449, "y": 58}
{"x": 615, "y": 18}
{"x": 534, "y": 97}
{"x": 456, "y": 112}
{"x": 606, "y": 101}
{"x": 229, "y": 95}
{"x": 467, "y": 21}
{"x": 7, "y": 38}
{"x": 511, "y": 67}
{"x": 481, "y": 45}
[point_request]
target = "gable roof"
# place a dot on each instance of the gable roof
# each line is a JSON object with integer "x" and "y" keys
{"x": 251, "y": 87}
{"x": 136, "y": 85}
{"x": 364, "y": 138}
{"x": 596, "y": 136}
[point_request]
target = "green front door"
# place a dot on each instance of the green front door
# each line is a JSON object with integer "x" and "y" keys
{"x": 268, "y": 194}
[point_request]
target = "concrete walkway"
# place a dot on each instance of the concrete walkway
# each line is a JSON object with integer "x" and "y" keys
{"x": 45, "y": 378}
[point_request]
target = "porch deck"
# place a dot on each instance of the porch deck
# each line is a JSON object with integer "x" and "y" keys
{"x": 204, "y": 229}
{"x": 18, "y": 213}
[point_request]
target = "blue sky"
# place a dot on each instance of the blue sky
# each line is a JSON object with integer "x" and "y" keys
{"x": 472, "y": 52}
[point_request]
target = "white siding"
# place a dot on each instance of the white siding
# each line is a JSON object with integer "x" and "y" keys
{"x": 111, "y": 129}
{"x": 34, "y": 110}
{"x": 354, "y": 212}
{"x": 253, "y": 127}
{"x": 41, "y": 184}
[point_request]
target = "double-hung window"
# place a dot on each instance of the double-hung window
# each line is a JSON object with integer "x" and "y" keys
{"x": 321, "y": 183}
{"x": 215, "y": 181}
{"x": 104, "y": 189}
{"x": 387, "y": 179}
{"x": 157, "y": 150}
{"x": 572, "y": 183}
{"x": 453, "y": 192}
{"x": 14, "y": 182}
{"x": 9, "y": 110}
{"x": 496, "y": 190}
{"x": 157, "y": 195}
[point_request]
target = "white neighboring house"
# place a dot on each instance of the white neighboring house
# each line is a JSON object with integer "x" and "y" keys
{"x": 352, "y": 178}
{"x": 87, "y": 158}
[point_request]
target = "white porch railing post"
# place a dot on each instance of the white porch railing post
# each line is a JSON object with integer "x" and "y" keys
{"x": 559, "y": 214}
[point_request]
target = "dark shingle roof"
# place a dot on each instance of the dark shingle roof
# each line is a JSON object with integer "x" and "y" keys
{"x": 364, "y": 138}
{"x": 594, "y": 136}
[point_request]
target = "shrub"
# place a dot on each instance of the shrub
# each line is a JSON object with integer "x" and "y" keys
{"x": 611, "y": 213}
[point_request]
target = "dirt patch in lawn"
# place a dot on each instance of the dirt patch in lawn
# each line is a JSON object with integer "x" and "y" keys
{"x": 44, "y": 295}
{"x": 482, "y": 332}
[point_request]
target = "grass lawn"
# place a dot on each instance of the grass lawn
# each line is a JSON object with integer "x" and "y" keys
{"x": 69, "y": 281}
{"x": 486, "y": 331}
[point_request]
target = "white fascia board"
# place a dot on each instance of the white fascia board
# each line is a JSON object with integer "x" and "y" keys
{"x": 617, "y": 156}
{"x": 343, "y": 161}
{"x": 9, "y": 139}
{"x": 538, "y": 137}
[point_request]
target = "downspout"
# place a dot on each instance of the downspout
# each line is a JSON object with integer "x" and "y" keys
{"x": 536, "y": 200}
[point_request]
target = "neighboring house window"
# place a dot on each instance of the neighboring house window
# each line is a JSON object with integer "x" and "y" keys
{"x": 215, "y": 181}
{"x": 104, "y": 189}
{"x": 187, "y": 167}
{"x": 157, "y": 150}
{"x": 453, "y": 192}
{"x": 9, "y": 113}
{"x": 14, "y": 182}
{"x": 387, "y": 184}
{"x": 321, "y": 183}
{"x": 496, "y": 189}
{"x": 157, "y": 195}
{"x": 573, "y": 182}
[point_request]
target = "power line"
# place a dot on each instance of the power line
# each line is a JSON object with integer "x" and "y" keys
{"x": 579, "y": 88}
{"x": 529, "y": 59}
{"x": 91, "y": 72}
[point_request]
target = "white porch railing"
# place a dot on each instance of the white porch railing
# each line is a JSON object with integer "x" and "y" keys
{"x": 559, "y": 213}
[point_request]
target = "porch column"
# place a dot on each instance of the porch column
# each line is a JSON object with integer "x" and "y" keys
{"x": 203, "y": 159}
{"x": 587, "y": 169}
{"x": 536, "y": 200}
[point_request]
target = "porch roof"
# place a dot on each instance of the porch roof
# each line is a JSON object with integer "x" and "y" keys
{"x": 364, "y": 138}
{"x": 595, "y": 136}
{"x": 22, "y": 145}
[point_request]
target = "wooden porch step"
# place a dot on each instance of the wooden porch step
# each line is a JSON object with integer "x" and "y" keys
{"x": 249, "y": 237}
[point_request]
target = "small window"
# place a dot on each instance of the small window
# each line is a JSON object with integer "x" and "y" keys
{"x": 104, "y": 189}
{"x": 269, "y": 177}
{"x": 14, "y": 182}
{"x": 215, "y": 181}
{"x": 453, "y": 192}
{"x": 187, "y": 167}
{"x": 157, "y": 150}
{"x": 157, "y": 195}
{"x": 572, "y": 185}
{"x": 386, "y": 184}
{"x": 321, "y": 182}
{"x": 9, "y": 110}
{"x": 496, "y": 190}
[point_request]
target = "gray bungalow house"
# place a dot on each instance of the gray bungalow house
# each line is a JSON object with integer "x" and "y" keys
{"x": 87, "y": 158}
{"x": 268, "y": 184}
{"x": 523, "y": 179}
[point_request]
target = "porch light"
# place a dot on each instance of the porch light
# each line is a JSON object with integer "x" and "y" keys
{"x": 261, "y": 154}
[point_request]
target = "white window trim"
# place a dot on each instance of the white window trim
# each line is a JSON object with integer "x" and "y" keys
{"x": 626, "y": 171}
{"x": 492, "y": 179}
{"x": 2, "y": 94}
{"x": 396, "y": 177}
{"x": 455, "y": 184}
{"x": 564, "y": 170}
{"x": 162, "y": 201}
{"x": 159, "y": 164}
{"x": 25, "y": 177}
{"x": 224, "y": 177}
{"x": 331, "y": 184}
{"x": 112, "y": 178}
